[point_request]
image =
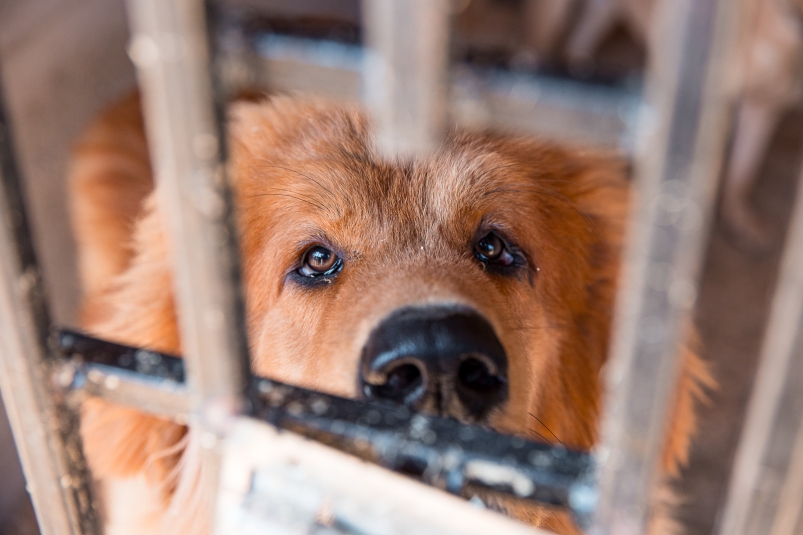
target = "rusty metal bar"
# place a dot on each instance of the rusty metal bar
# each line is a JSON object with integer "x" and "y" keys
{"x": 134, "y": 377}
{"x": 765, "y": 495}
{"x": 45, "y": 432}
{"x": 160, "y": 397}
{"x": 173, "y": 56}
{"x": 281, "y": 483}
{"x": 405, "y": 72}
{"x": 441, "y": 452}
{"x": 684, "y": 129}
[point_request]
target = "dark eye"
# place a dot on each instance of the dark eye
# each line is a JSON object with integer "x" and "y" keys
{"x": 319, "y": 261}
{"x": 490, "y": 249}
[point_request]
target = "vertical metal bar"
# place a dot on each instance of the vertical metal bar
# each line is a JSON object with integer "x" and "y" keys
{"x": 171, "y": 50}
{"x": 45, "y": 432}
{"x": 767, "y": 425}
{"x": 405, "y": 72}
{"x": 682, "y": 137}
{"x": 789, "y": 514}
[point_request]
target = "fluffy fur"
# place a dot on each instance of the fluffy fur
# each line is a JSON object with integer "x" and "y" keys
{"x": 306, "y": 172}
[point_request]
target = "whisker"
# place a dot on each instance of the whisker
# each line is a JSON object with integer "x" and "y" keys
{"x": 309, "y": 198}
{"x": 554, "y": 325}
{"x": 545, "y": 439}
{"x": 539, "y": 328}
{"x": 327, "y": 190}
{"x": 289, "y": 196}
{"x": 490, "y": 172}
{"x": 548, "y": 429}
{"x": 561, "y": 522}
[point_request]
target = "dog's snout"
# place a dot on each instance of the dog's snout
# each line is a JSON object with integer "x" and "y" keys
{"x": 440, "y": 359}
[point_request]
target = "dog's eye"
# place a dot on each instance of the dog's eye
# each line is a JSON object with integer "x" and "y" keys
{"x": 319, "y": 261}
{"x": 492, "y": 250}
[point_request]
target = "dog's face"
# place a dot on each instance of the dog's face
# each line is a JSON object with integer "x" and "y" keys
{"x": 476, "y": 283}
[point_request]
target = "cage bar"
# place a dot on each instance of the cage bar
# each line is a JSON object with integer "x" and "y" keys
{"x": 45, "y": 432}
{"x": 282, "y": 483}
{"x": 171, "y": 51}
{"x": 684, "y": 131}
{"x": 405, "y": 72}
{"x": 765, "y": 495}
{"x": 406, "y": 83}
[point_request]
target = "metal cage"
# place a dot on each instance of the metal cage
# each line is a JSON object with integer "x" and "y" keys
{"x": 677, "y": 135}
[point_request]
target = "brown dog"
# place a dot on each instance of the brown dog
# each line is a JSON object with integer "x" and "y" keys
{"x": 500, "y": 248}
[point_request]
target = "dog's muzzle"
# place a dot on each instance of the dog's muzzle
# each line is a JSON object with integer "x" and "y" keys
{"x": 443, "y": 360}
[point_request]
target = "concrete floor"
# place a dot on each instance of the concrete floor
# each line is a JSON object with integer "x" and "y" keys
{"x": 61, "y": 60}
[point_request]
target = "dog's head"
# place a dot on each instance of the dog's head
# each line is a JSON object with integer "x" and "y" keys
{"x": 476, "y": 283}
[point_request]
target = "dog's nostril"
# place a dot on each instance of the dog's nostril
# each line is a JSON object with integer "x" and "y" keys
{"x": 402, "y": 384}
{"x": 475, "y": 375}
{"x": 477, "y": 385}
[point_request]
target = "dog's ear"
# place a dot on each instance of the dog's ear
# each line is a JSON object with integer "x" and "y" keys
{"x": 598, "y": 193}
{"x": 601, "y": 193}
{"x": 109, "y": 178}
{"x": 588, "y": 198}
{"x": 598, "y": 196}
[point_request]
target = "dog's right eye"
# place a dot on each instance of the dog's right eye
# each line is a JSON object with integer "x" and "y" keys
{"x": 491, "y": 249}
{"x": 319, "y": 261}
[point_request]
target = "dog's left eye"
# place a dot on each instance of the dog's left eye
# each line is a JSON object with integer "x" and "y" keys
{"x": 319, "y": 261}
{"x": 491, "y": 249}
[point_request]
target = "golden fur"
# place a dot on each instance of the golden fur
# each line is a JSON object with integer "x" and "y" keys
{"x": 305, "y": 172}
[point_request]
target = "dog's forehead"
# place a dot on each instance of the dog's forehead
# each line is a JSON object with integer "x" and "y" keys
{"x": 405, "y": 199}
{"x": 318, "y": 167}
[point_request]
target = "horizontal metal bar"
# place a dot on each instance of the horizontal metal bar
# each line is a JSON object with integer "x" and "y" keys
{"x": 45, "y": 432}
{"x": 277, "y": 482}
{"x": 442, "y": 452}
{"x": 150, "y": 381}
{"x": 92, "y": 351}
{"x": 479, "y": 98}
{"x": 544, "y": 106}
{"x": 160, "y": 397}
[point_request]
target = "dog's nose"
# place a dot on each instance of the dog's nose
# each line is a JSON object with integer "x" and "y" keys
{"x": 444, "y": 360}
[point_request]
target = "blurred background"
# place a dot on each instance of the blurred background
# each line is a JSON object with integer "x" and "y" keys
{"x": 531, "y": 66}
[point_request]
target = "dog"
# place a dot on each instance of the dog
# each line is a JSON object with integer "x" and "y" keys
{"x": 503, "y": 248}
